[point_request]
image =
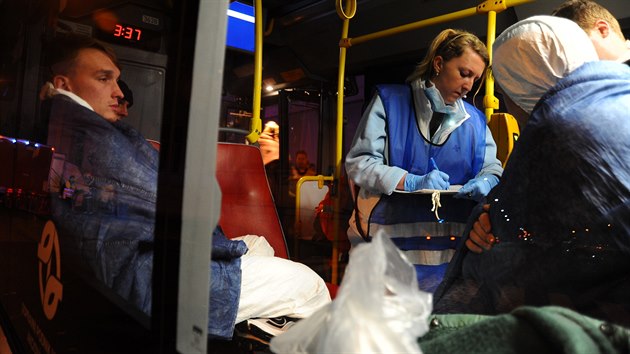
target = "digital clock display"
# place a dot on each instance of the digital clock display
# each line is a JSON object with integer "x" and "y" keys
{"x": 133, "y": 36}
{"x": 127, "y": 32}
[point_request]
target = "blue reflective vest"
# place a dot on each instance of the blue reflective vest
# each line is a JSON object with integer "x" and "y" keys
{"x": 461, "y": 157}
{"x": 407, "y": 218}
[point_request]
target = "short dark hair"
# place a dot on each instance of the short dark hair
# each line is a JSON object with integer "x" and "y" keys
{"x": 126, "y": 92}
{"x": 63, "y": 50}
{"x": 585, "y": 13}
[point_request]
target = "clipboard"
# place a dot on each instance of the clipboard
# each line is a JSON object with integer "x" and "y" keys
{"x": 451, "y": 190}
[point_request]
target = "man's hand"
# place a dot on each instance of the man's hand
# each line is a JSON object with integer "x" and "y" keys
{"x": 481, "y": 238}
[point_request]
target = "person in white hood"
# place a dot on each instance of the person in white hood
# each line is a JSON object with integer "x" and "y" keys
{"x": 555, "y": 231}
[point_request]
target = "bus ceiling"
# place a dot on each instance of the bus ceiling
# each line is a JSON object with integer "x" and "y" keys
{"x": 301, "y": 40}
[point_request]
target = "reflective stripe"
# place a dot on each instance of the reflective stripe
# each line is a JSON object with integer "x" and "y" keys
{"x": 419, "y": 229}
{"x": 430, "y": 258}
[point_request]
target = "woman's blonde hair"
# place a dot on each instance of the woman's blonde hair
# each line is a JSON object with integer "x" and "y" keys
{"x": 448, "y": 44}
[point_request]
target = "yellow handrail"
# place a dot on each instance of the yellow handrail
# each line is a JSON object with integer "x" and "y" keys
{"x": 298, "y": 221}
{"x": 490, "y": 102}
{"x": 320, "y": 184}
{"x": 486, "y": 6}
{"x": 491, "y": 7}
{"x": 255, "y": 125}
{"x": 351, "y": 6}
{"x": 410, "y": 26}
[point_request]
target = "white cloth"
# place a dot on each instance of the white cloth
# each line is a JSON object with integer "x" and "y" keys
{"x": 48, "y": 90}
{"x": 273, "y": 286}
{"x": 76, "y": 98}
{"x": 256, "y": 245}
{"x": 533, "y": 54}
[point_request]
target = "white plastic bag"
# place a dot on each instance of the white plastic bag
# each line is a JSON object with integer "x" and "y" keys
{"x": 378, "y": 309}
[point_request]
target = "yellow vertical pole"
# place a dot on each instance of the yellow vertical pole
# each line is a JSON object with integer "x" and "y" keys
{"x": 255, "y": 125}
{"x": 350, "y": 7}
{"x": 490, "y": 102}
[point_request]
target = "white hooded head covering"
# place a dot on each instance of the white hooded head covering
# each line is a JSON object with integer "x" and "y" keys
{"x": 533, "y": 54}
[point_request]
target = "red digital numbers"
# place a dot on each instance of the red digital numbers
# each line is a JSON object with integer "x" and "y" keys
{"x": 127, "y": 32}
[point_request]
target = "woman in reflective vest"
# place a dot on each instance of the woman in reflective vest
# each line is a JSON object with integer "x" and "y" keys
{"x": 422, "y": 135}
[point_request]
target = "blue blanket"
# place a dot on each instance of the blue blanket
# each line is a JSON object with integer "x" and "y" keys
{"x": 103, "y": 200}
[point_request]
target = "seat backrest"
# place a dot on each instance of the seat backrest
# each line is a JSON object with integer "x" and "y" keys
{"x": 505, "y": 132}
{"x": 310, "y": 197}
{"x": 247, "y": 206}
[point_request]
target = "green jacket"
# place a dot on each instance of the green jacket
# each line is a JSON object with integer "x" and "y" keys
{"x": 524, "y": 330}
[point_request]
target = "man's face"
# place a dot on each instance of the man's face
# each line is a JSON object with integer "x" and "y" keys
{"x": 301, "y": 161}
{"x": 607, "y": 43}
{"x": 94, "y": 79}
{"x": 121, "y": 109}
{"x": 602, "y": 46}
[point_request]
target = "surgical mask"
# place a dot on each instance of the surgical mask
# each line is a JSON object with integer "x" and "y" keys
{"x": 452, "y": 111}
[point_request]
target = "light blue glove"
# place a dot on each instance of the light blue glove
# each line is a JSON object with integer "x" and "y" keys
{"x": 477, "y": 188}
{"x": 432, "y": 180}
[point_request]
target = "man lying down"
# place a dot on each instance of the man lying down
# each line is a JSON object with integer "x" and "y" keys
{"x": 105, "y": 178}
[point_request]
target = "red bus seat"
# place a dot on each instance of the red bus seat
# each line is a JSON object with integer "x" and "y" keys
{"x": 247, "y": 205}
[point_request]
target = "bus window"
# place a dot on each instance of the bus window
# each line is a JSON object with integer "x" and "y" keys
{"x": 60, "y": 295}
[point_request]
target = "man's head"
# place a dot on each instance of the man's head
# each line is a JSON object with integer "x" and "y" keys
{"x": 533, "y": 54}
{"x": 301, "y": 160}
{"x": 122, "y": 108}
{"x": 599, "y": 24}
{"x": 124, "y": 103}
{"x": 88, "y": 69}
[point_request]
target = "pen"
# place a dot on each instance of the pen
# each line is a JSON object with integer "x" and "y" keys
{"x": 433, "y": 164}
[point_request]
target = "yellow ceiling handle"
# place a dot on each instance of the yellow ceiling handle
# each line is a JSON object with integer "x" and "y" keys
{"x": 351, "y": 8}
